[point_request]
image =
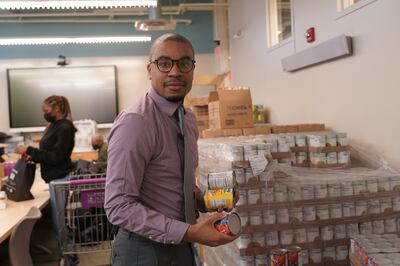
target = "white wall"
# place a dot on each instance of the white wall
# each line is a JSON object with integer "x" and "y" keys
{"x": 132, "y": 76}
{"x": 358, "y": 94}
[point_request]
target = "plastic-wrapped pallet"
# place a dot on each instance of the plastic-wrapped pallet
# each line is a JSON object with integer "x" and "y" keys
{"x": 86, "y": 128}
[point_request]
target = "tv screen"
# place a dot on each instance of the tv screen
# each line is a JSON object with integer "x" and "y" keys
{"x": 91, "y": 92}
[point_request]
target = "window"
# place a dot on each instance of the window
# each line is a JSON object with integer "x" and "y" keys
{"x": 279, "y": 13}
{"x": 343, "y": 4}
{"x": 348, "y": 6}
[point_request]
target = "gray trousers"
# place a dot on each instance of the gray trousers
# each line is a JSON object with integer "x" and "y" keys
{"x": 130, "y": 249}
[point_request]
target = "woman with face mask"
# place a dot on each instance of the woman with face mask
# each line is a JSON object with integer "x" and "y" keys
{"x": 57, "y": 143}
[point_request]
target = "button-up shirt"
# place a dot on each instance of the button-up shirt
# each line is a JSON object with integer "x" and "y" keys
{"x": 144, "y": 187}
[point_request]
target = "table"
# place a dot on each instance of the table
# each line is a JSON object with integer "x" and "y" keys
{"x": 15, "y": 211}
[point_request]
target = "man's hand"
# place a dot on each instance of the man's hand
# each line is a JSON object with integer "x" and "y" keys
{"x": 205, "y": 233}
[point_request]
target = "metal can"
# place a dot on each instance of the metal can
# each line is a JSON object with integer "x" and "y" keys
{"x": 378, "y": 227}
{"x": 335, "y": 210}
{"x": 349, "y": 209}
{"x": 282, "y": 216}
{"x": 315, "y": 256}
{"x": 332, "y": 158}
{"x": 372, "y": 185}
{"x": 301, "y": 157}
{"x": 240, "y": 177}
{"x": 295, "y": 215}
{"x": 322, "y": 212}
{"x": 286, "y": 237}
{"x": 294, "y": 192}
{"x": 215, "y": 198}
{"x": 383, "y": 184}
{"x": 294, "y": 257}
{"x": 261, "y": 260}
{"x": 390, "y": 226}
{"x": 307, "y": 192}
{"x": 267, "y": 194}
{"x": 243, "y": 241}
{"x": 395, "y": 183}
{"x": 278, "y": 257}
{"x": 334, "y": 190}
{"x": 242, "y": 197}
{"x": 320, "y": 191}
{"x": 327, "y": 232}
{"x": 272, "y": 238}
{"x": 300, "y": 140}
{"x": 352, "y": 230}
{"x": 300, "y": 235}
{"x": 309, "y": 213}
{"x": 346, "y": 188}
{"x": 331, "y": 139}
{"x": 340, "y": 231}
{"x": 258, "y": 239}
{"x": 341, "y": 252}
{"x": 280, "y": 193}
{"x": 246, "y": 261}
{"x": 255, "y": 218}
{"x": 342, "y": 139}
{"x": 366, "y": 228}
{"x": 253, "y": 196}
{"x": 269, "y": 217}
{"x": 316, "y": 141}
{"x": 386, "y": 205}
{"x": 229, "y": 225}
{"x": 343, "y": 157}
{"x": 244, "y": 218}
{"x": 313, "y": 234}
{"x": 221, "y": 180}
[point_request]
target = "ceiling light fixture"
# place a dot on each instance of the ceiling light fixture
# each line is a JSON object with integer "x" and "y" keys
{"x": 74, "y": 4}
{"x": 73, "y": 40}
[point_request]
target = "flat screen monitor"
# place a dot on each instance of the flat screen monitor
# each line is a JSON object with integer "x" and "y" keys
{"x": 91, "y": 92}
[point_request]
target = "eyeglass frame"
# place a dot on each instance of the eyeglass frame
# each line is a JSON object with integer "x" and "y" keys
{"x": 174, "y": 62}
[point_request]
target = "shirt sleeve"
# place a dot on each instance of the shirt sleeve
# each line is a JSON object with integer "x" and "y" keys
{"x": 59, "y": 151}
{"x": 125, "y": 173}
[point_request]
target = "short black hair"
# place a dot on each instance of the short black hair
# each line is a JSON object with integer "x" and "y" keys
{"x": 175, "y": 37}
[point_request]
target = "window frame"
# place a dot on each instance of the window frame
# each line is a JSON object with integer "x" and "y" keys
{"x": 272, "y": 42}
{"x": 342, "y": 12}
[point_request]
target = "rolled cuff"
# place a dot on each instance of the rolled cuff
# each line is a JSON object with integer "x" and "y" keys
{"x": 176, "y": 232}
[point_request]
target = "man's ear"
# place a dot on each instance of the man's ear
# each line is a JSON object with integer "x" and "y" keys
{"x": 149, "y": 70}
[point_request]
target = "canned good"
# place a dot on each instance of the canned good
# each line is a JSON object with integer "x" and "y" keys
{"x": 269, "y": 217}
{"x": 249, "y": 150}
{"x": 343, "y": 157}
{"x": 390, "y": 226}
{"x": 282, "y": 216}
{"x": 294, "y": 192}
{"x": 339, "y": 231}
{"x": 386, "y": 205}
{"x": 318, "y": 141}
{"x": 300, "y": 235}
{"x": 304, "y": 256}
{"x": 342, "y": 139}
{"x": 301, "y": 157}
{"x": 253, "y": 196}
{"x": 396, "y": 204}
{"x": 378, "y": 227}
{"x": 215, "y": 198}
{"x": 383, "y": 184}
{"x": 250, "y": 177}
{"x": 312, "y": 234}
{"x": 374, "y": 207}
{"x": 395, "y": 183}
{"x": 359, "y": 187}
{"x": 295, "y": 215}
{"x": 291, "y": 140}
{"x": 361, "y": 208}
{"x": 272, "y": 238}
{"x": 234, "y": 152}
{"x": 267, "y": 195}
{"x": 366, "y": 228}
{"x": 309, "y": 213}
{"x": 349, "y": 209}
{"x": 351, "y": 230}
{"x": 258, "y": 239}
{"x": 320, "y": 191}
{"x": 263, "y": 176}
{"x": 261, "y": 260}
{"x": 278, "y": 257}
{"x": 334, "y": 190}
{"x": 280, "y": 193}
{"x": 294, "y": 257}
{"x": 221, "y": 180}
{"x": 328, "y": 255}
{"x": 240, "y": 176}
{"x": 286, "y": 237}
{"x": 331, "y": 139}
{"x": 335, "y": 210}
{"x": 283, "y": 146}
{"x": 307, "y": 192}
{"x": 322, "y": 212}
{"x": 246, "y": 261}
{"x": 331, "y": 158}
{"x": 243, "y": 241}
{"x": 242, "y": 197}
{"x": 372, "y": 185}
{"x": 300, "y": 140}
{"x": 318, "y": 158}
{"x": 315, "y": 256}
{"x": 346, "y": 188}
{"x": 341, "y": 252}
{"x": 229, "y": 225}
{"x": 244, "y": 218}
{"x": 327, "y": 232}
{"x": 255, "y": 218}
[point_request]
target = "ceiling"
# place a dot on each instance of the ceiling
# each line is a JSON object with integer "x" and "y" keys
{"x": 173, "y": 9}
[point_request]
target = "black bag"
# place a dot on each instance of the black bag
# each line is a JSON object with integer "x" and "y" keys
{"x": 19, "y": 183}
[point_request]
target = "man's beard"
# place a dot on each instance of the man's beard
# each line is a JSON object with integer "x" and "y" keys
{"x": 175, "y": 98}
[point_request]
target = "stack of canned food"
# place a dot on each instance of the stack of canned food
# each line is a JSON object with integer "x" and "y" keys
{"x": 376, "y": 250}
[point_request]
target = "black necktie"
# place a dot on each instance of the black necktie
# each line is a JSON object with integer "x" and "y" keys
{"x": 188, "y": 177}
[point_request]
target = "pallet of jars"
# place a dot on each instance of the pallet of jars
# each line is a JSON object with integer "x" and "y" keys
{"x": 373, "y": 249}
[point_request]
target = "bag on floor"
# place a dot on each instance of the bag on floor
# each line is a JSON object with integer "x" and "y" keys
{"x": 20, "y": 180}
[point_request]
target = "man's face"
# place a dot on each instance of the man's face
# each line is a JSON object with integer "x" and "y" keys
{"x": 175, "y": 84}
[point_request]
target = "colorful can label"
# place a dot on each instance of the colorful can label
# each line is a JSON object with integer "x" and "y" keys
{"x": 294, "y": 256}
{"x": 278, "y": 257}
{"x": 215, "y": 198}
{"x": 221, "y": 180}
{"x": 230, "y": 224}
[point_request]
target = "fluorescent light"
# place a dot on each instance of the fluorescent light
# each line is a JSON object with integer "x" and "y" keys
{"x": 74, "y": 4}
{"x": 69, "y": 40}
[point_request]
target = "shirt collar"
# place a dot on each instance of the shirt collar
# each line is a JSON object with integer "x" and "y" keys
{"x": 163, "y": 104}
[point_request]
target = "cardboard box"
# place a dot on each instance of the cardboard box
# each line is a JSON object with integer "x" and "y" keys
{"x": 233, "y": 132}
{"x": 1, "y": 170}
{"x": 200, "y": 110}
{"x": 257, "y": 130}
{"x": 212, "y": 133}
{"x": 230, "y": 109}
{"x": 311, "y": 127}
{"x": 202, "y": 122}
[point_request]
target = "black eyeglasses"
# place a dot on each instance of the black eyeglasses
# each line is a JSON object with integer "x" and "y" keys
{"x": 165, "y": 64}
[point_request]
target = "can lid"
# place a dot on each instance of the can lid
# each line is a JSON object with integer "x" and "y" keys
{"x": 234, "y": 223}
{"x": 278, "y": 251}
{"x": 293, "y": 249}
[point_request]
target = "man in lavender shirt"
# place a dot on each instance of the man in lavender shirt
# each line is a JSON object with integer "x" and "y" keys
{"x": 144, "y": 193}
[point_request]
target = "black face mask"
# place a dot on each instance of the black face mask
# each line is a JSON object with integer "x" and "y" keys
{"x": 49, "y": 118}
{"x": 96, "y": 147}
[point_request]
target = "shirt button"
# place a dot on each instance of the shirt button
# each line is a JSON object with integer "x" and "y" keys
{"x": 172, "y": 242}
{"x": 150, "y": 237}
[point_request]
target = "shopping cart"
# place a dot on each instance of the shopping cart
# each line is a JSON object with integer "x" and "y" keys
{"x": 81, "y": 221}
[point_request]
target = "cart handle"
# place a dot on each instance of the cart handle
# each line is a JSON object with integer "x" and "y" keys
{"x": 87, "y": 181}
